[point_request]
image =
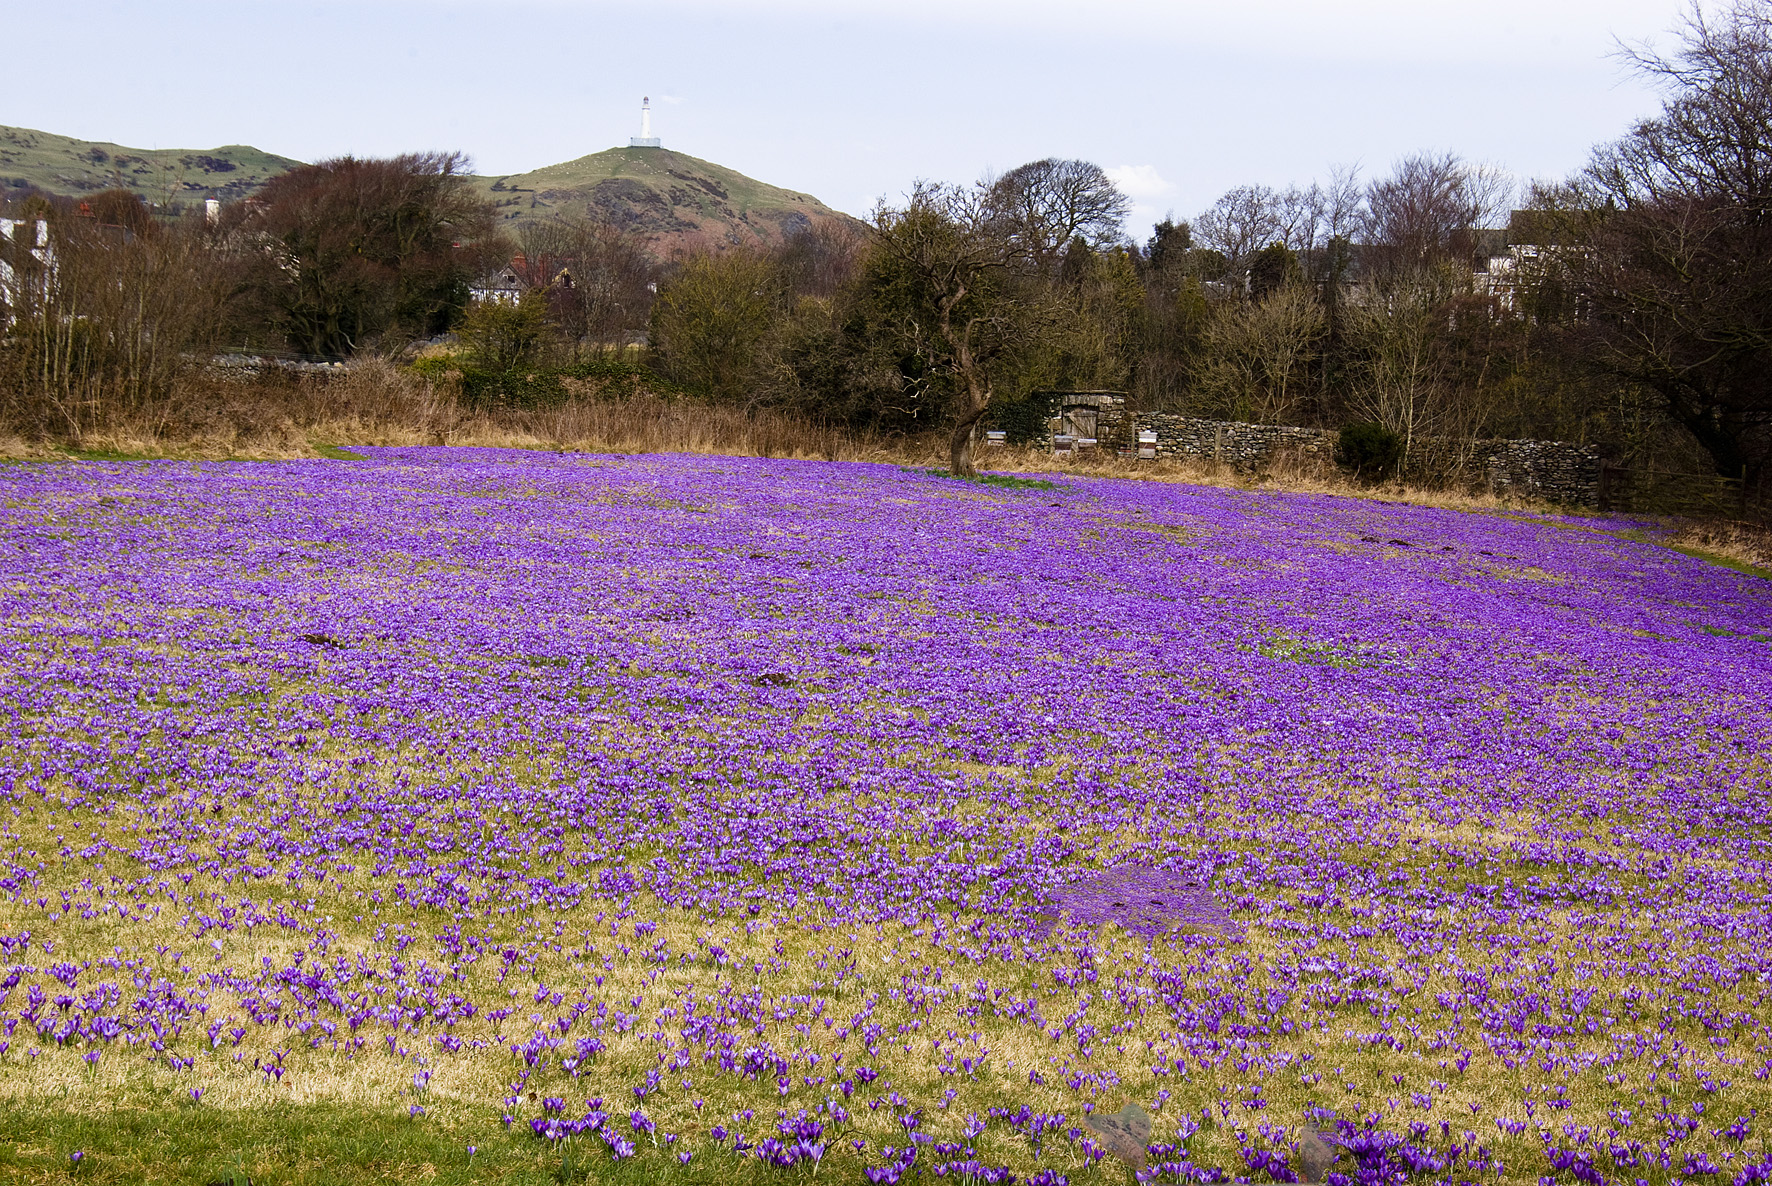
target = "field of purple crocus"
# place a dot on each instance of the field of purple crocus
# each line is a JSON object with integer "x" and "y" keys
{"x": 715, "y": 818}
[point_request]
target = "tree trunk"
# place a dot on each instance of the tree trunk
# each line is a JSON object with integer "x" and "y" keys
{"x": 960, "y": 447}
{"x": 978, "y": 401}
{"x": 978, "y": 394}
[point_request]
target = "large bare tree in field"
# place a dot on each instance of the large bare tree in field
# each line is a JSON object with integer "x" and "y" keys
{"x": 944, "y": 277}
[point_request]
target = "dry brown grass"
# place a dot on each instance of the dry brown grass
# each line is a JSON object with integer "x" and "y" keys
{"x": 1744, "y": 543}
{"x": 1290, "y": 473}
{"x": 277, "y": 416}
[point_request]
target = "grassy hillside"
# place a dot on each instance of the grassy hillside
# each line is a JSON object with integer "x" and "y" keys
{"x": 63, "y": 165}
{"x": 673, "y": 200}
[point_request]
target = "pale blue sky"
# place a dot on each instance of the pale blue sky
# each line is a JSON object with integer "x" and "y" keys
{"x": 853, "y": 101}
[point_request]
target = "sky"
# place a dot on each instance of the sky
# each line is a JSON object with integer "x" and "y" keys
{"x": 855, "y": 100}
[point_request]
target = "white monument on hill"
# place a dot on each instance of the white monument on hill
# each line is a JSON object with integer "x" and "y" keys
{"x": 645, "y": 139}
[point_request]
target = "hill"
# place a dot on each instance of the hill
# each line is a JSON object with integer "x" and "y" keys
{"x": 30, "y": 159}
{"x": 673, "y": 201}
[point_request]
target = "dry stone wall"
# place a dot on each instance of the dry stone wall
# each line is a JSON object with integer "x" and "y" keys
{"x": 1554, "y": 471}
{"x": 1229, "y": 442}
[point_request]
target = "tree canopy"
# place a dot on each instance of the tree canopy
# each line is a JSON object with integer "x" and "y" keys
{"x": 943, "y": 271}
{"x": 357, "y": 249}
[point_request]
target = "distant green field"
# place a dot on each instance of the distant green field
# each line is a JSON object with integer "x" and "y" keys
{"x": 63, "y": 165}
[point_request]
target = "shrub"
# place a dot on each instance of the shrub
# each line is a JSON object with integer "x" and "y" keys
{"x": 502, "y": 335}
{"x": 1370, "y": 450}
{"x": 711, "y": 319}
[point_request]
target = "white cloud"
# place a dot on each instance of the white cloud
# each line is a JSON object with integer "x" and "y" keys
{"x": 1144, "y": 185}
{"x": 1139, "y": 182}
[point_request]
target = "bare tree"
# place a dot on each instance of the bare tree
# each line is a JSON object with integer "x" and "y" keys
{"x": 1713, "y": 138}
{"x": 103, "y": 320}
{"x": 1240, "y": 223}
{"x": 1429, "y": 205}
{"x": 1256, "y": 357}
{"x": 819, "y": 260}
{"x": 1253, "y": 217}
{"x": 1406, "y": 379}
{"x": 1301, "y": 214}
{"x": 1344, "y": 203}
{"x": 602, "y": 291}
{"x": 1043, "y": 205}
{"x": 1672, "y": 254}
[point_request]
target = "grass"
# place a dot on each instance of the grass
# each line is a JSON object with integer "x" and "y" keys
{"x": 290, "y": 1144}
{"x": 677, "y": 201}
{"x": 332, "y": 1121}
{"x": 1298, "y": 650}
{"x": 1001, "y": 481}
{"x": 1738, "y": 546}
{"x": 322, "y": 1144}
{"x": 1745, "y": 547}
{"x": 658, "y": 168}
{"x": 113, "y": 455}
{"x": 1709, "y": 557}
{"x": 64, "y": 165}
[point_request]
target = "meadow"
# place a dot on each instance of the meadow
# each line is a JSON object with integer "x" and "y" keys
{"x": 473, "y": 815}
